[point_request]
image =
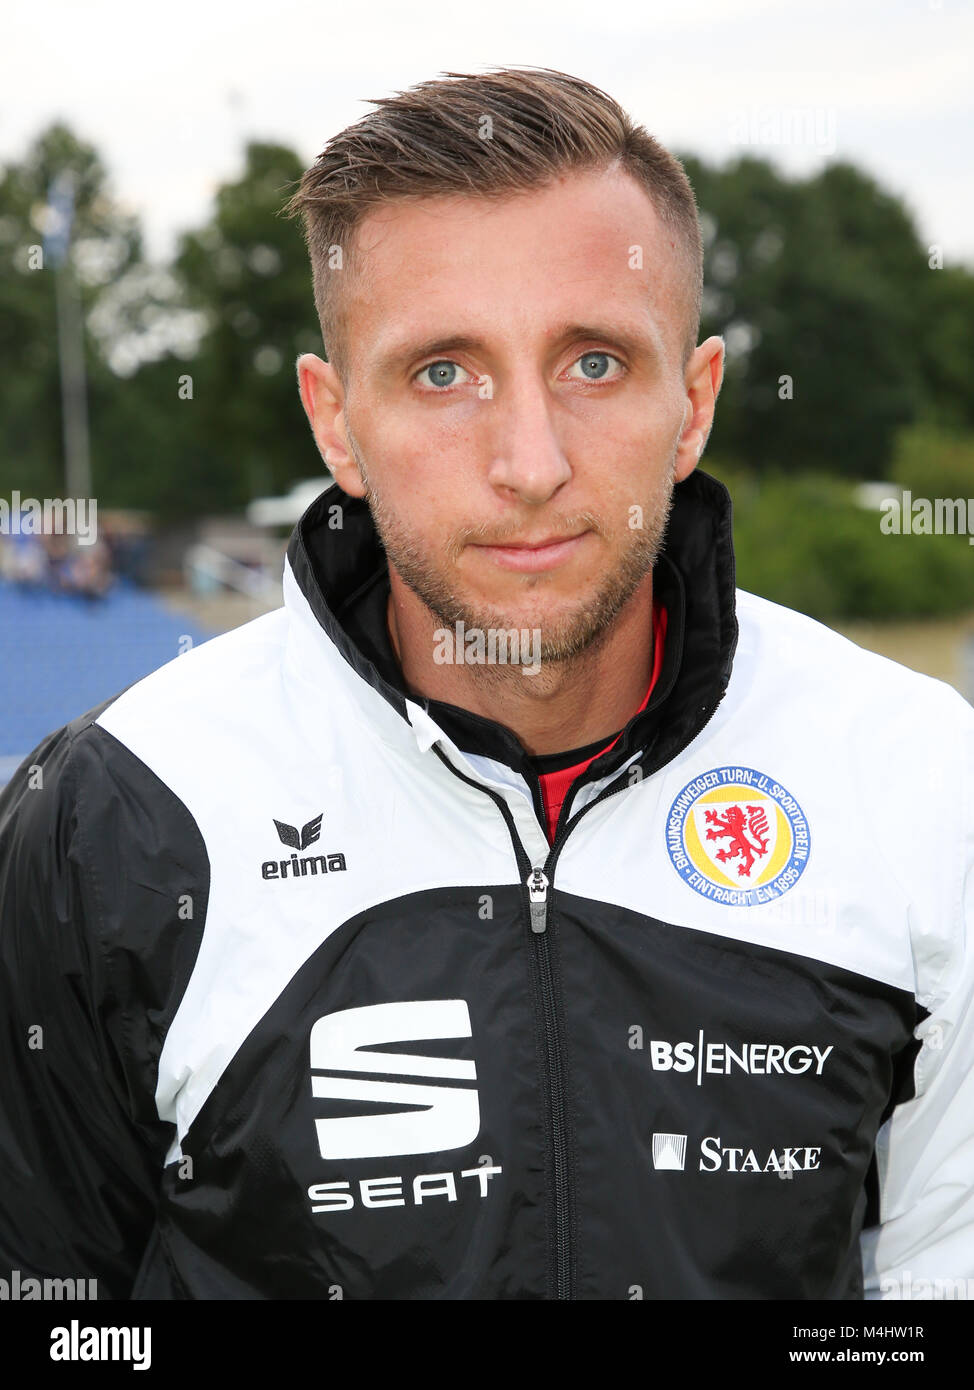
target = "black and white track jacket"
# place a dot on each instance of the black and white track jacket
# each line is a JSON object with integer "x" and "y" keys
{"x": 298, "y": 1001}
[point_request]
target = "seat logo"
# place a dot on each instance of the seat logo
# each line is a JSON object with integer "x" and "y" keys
{"x": 432, "y": 1117}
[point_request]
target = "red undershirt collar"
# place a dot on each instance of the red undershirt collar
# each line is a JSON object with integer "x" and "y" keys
{"x": 555, "y": 786}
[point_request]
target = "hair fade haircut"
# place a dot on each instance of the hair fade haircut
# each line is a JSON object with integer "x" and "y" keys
{"x": 485, "y": 135}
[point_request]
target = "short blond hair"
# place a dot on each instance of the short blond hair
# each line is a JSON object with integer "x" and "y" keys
{"x": 429, "y": 141}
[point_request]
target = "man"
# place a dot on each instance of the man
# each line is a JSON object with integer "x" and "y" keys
{"x": 519, "y": 912}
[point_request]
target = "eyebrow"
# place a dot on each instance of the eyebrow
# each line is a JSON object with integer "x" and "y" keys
{"x": 633, "y": 340}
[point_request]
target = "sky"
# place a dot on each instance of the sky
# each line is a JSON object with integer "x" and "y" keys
{"x": 168, "y": 94}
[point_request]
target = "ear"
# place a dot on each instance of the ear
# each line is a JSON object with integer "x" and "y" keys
{"x": 702, "y": 382}
{"x": 323, "y": 398}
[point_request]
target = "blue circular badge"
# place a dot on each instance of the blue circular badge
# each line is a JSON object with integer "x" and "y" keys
{"x": 737, "y": 837}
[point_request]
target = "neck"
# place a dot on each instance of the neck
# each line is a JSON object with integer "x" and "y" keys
{"x": 567, "y": 704}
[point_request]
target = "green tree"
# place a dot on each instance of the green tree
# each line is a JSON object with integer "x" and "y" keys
{"x": 945, "y": 343}
{"x": 824, "y": 295}
{"x": 247, "y": 270}
{"x": 105, "y": 243}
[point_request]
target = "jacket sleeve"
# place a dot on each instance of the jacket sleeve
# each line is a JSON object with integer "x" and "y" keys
{"x": 80, "y": 1167}
{"x": 923, "y": 1244}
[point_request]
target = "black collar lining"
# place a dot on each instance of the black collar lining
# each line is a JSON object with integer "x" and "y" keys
{"x": 340, "y": 572}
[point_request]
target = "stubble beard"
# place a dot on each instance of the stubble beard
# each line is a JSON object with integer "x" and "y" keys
{"x": 583, "y": 628}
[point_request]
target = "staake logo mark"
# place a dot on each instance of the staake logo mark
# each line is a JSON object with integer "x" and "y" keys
{"x": 309, "y": 833}
{"x": 670, "y": 1151}
{"x": 716, "y": 1158}
{"x": 438, "y": 1116}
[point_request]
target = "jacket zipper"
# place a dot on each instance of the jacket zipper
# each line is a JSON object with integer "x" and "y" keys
{"x": 537, "y": 884}
{"x": 538, "y": 898}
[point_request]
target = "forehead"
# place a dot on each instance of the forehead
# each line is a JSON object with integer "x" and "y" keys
{"x": 586, "y": 246}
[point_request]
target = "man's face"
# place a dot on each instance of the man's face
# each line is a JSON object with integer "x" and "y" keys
{"x": 515, "y": 377}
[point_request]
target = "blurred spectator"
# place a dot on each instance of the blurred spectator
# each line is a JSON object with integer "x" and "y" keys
{"x": 87, "y": 570}
{"x": 23, "y": 560}
{"x": 56, "y": 562}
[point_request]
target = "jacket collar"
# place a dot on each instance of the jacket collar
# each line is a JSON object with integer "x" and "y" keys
{"x": 340, "y": 567}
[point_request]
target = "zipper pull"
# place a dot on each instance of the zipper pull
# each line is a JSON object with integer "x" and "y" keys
{"x": 538, "y": 893}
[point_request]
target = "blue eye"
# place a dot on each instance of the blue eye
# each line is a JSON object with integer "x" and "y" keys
{"x": 595, "y": 364}
{"x": 443, "y": 373}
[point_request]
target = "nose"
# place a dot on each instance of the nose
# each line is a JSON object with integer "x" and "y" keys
{"x": 527, "y": 457}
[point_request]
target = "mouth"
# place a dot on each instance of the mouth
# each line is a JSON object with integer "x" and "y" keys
{"x": 533, "y": 556}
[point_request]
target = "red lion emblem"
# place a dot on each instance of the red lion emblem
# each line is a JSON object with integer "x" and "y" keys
{"x": 748, "y": 838}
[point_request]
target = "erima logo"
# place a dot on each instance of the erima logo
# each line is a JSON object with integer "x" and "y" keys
{"x": 312, "y": 864}
{"x": 309, "y": 833}
{"x": 432, "y": 1117}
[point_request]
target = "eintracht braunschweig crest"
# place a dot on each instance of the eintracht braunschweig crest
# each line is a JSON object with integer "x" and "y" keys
{"x": 737, "y": 836}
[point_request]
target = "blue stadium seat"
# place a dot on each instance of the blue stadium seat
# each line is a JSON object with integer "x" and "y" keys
{"x": 62, "y": 654}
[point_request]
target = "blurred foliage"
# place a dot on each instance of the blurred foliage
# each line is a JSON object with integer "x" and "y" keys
{"x": 933, "y": 462}
{"x": 825, "y": 280}
{"x": 248, "y": 270}
{"x": 194, "y": 409}
{"x": 804, "y": 540}
{"x": 192, "y": 400}
{"x": 106, "y": 244}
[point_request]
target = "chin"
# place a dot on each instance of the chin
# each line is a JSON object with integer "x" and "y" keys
{"x": 544, "y": 612}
